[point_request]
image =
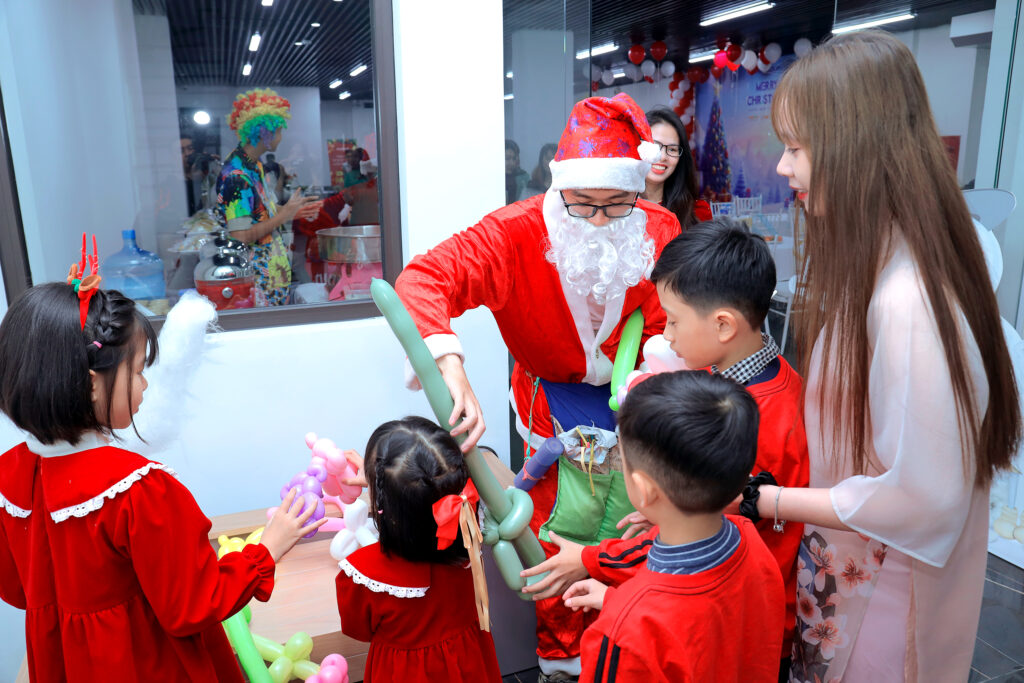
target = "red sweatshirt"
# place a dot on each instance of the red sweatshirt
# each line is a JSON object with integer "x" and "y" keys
{"x": 724, "y": 624}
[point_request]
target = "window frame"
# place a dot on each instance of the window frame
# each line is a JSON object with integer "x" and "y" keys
{"x": 14, "y": 260}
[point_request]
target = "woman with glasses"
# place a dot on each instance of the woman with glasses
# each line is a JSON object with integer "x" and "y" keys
{"x": 672, "y": 180}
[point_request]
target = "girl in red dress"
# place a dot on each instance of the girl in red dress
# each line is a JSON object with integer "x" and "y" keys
{"x": 411, "y": 595}
{"x": 104, "y": 549}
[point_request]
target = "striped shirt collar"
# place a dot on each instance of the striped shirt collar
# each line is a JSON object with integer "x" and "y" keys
{"x": 699, "y": 556}
{"x": 751, "y": 366}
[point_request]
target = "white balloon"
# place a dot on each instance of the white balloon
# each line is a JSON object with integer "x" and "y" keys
{"x": 607, "y": 77}
{"x": 773, "y": 51}
{"x": 802, "y": 46}
{"x": 690, "y": 110}
{"x": 632, "y": 72}
{"x": 686, "y": 119}
{"x": 684, "y": 85}
{"x": 668, "y": 68}
{"x": 762, "y": 67}
{"x": 648, "y": 67}
{"x": 748, "y": 60}
{"x": 595, "y": 72}
{"x": 676, "y": 95}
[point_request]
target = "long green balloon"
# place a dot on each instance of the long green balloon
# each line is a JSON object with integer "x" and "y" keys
{"x": 441, "y": 403}
{"x": 625, "y": 357}
{"x": 237, "y": 628}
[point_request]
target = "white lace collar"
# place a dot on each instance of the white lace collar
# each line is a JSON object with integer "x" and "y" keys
{"x": 378, "y": 587}
{"x": 88, "y": 441}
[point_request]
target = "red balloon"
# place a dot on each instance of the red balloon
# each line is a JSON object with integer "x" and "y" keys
{"x": 721, "y": 42}
{"x": 658, "y": 50}
{"x": 679, "y": 110}
{"x": 672, "y": 86}
{"x": 678, "y": 76}
{"x": 636, "y": 54}
{"x": 734, "y": 52}
{"x": 693, "y": 74}
{"x": 717, "y": 71}
{"x": 762, "y": 57}
{"x": 649, "y": 79}
{"x": 733, "y": 66}
{"x": 704, "y": 74}
{"x": 594, "y": 85}
{"x": 721, "y": 58}
{"x": 752, "y": 71}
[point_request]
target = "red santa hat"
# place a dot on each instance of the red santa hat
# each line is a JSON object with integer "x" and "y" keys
{"x": 606, "y": 145}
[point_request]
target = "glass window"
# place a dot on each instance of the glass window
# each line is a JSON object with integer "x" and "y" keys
{"x": 230, "y": 148}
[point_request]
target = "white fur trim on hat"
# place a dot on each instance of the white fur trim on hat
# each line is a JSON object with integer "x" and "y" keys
{"x": 649, "y": 151}
{"x": 616, "y": 173}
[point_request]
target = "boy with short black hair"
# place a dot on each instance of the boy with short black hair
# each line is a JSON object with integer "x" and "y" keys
{"x": 715, "y": 282}
{"x": 708, "y": 604}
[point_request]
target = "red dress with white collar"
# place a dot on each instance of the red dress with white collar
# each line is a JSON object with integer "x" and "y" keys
{"x": 109, "y": 556}
{"x": 419, "y": 618}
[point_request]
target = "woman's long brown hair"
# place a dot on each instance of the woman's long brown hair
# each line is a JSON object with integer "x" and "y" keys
{"x": 857, "y": 104}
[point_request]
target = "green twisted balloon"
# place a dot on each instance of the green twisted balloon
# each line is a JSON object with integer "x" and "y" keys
{"x": 509, "y": 510}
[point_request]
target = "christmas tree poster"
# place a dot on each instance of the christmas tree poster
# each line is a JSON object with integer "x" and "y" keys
{"x": 737, "y": 150}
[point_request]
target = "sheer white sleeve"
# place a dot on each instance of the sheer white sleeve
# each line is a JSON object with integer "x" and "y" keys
{"x": 920, "y": 503}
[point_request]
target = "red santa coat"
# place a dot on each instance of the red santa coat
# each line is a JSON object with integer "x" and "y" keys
{"x": 108, "y": 555}
{"x": 500, "y": 263}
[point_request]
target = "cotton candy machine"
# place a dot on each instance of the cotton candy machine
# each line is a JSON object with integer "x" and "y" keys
{"x": 352, "y": 256}
{"x": 226, "y": 278}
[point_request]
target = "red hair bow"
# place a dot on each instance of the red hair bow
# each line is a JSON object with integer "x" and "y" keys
{"x": 85, "y": 285}
{"x": 447, "y": 511}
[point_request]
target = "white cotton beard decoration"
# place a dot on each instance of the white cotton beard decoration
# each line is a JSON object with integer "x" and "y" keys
{"x": 598, "y": 261}
{"x": 182, "y": 344}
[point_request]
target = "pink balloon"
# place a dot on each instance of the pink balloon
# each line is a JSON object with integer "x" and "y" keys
{"x": 310, "y": 439}
{"x": 335, "y": 660}
{"x": 322, "y": 447}
{"x": 349, "y": 493}
{"x": 332, "y": 674}
{"x": 315, "y": 678}
{"x": 336, "y": 463}
{"x": 331, "y": 486}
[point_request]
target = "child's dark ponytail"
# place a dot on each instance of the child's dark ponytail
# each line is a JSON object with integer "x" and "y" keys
{"x": 46, "y": 357}
{"x": 411, "y": 464}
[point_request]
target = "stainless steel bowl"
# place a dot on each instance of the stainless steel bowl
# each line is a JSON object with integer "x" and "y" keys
{"x": 222, "y": 242}
{"x": 350, "y": 244}
{"x": 222, "y": 266}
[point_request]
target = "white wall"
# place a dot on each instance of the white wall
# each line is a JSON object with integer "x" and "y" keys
{"x": 259, "y": 391}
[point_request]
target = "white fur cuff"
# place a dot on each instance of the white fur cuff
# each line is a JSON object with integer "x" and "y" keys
{"x": 438, "y": 345}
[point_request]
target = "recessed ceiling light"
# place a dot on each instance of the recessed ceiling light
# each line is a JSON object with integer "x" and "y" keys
{"x": 595, "y": 51}
{"x": 315, "y": 24}
{"x": 334, "y": 84}
{"x": 254, "y": 42}
{"x": 344, "y": 95}
{"x": 299, "y": 43}
{"x": 267, "y": 3}
{"x": 702, "y": 56}
{"x": 201, "y": 117}
{"x": 510, "y": 96}
{"x": 736, "y": 12}
{"x": 247, "y": 69}
{"x": 358, "y": 70}
{"x": 869, "y": 23}
{"x": 508, "y": 75}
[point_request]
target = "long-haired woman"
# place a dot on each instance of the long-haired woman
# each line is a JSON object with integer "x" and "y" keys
{"x": 672, "y": 180}
{"x": 911, "y": 405}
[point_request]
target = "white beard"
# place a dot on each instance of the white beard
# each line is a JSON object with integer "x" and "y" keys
{"x": 598, "y": 262}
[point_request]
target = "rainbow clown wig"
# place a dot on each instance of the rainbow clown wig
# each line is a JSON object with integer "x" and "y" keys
{"x": 257, "y": 115}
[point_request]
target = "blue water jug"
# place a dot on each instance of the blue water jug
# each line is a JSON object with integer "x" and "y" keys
{"x": 134, "y": 272}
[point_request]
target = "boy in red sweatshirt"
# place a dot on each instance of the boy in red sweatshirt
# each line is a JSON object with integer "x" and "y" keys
{"x": 707, "y": 602}
{"x": 715, "y": 283}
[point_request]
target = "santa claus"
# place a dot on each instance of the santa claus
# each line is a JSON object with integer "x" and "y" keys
{"x": 561, "y": 273}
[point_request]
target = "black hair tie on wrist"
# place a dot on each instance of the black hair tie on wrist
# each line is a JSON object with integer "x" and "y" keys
{"x": 751, "y": 492}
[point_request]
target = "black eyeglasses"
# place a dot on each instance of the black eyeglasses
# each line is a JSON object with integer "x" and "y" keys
{"x": 671, "y": 150}
{"x": 580, "y": 210}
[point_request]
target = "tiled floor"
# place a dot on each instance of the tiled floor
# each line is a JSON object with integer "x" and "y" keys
{"x": 999, "y": 651}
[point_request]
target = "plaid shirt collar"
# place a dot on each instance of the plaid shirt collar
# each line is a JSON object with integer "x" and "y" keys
{"x": 751, "y": 366}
